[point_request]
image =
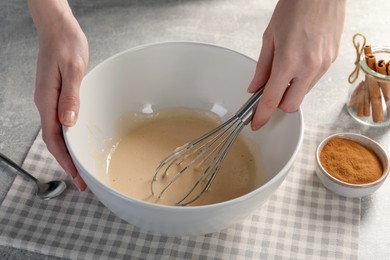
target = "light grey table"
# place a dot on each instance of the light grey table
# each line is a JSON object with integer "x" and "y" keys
{"x": 114, "y": 25}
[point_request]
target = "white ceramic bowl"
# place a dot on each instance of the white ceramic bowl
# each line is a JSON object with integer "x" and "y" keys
{"x": 347, "y": 189}
{"x": 177, "y": 74}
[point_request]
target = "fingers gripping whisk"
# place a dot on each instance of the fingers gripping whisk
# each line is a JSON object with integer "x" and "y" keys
{"x": 197, "y": 163}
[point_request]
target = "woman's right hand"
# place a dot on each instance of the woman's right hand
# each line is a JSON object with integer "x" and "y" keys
{"x": 299, "y": 45}
{"x": 62, "y": 62}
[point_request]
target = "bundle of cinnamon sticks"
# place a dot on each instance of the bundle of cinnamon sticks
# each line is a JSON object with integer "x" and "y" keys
{"x": 367, "y": 96}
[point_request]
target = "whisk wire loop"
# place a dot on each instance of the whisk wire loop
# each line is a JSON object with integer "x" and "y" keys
{"x": 206, "y": 153}
{"x": 219, "y": 152}
{"x": 187, "y": 151}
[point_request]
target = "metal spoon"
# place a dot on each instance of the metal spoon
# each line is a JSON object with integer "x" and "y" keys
{"x": 44, "y": 191}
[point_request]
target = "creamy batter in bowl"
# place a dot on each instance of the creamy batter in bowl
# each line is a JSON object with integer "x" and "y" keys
{"x": 167, "y": 75}
{"x": 133, "y": 158}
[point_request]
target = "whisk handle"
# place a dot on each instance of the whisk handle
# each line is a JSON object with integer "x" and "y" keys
{"x": 246, "y": 111}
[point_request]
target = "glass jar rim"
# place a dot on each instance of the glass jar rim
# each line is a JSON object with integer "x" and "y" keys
{"x": 368, "y": 70}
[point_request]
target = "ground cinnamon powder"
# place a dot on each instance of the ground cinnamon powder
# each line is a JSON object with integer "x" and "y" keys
{"x": 350, "y": 161}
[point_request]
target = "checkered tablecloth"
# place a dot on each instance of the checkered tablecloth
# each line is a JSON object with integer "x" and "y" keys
{"x": 301, "y": 220}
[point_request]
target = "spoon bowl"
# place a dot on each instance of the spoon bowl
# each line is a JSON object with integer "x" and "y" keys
{"x": 51, "y": 189}
{"x": 44, "y": 190}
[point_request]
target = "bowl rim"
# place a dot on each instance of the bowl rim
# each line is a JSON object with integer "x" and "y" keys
{"x": 147, "y": 204}
{"x": 357, "y": 138}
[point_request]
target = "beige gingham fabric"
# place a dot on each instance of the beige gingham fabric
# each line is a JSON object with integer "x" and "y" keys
{"x": 301, "y": 220}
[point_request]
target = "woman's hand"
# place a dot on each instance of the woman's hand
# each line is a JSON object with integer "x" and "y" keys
{"x": 62, "y": 62}
{"x": 299, "y": 44}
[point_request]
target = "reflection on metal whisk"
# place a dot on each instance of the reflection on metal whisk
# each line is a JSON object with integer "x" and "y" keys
{"x": 197, "y": 163}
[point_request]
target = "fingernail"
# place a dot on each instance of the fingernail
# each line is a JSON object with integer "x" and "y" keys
{"x": 69, "y": 118}
{"x": 249, "y": 89}
{"x": 79, "y": 183}
{"x": 255, "y": 127}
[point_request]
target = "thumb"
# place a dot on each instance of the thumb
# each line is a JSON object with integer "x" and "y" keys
{"x": 69, "y": 99}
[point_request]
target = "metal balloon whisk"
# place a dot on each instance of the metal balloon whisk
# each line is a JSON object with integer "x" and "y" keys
{"x": 196, "y": 164}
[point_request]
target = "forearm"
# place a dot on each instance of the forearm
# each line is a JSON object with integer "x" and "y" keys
{"x": 48, "y": 15}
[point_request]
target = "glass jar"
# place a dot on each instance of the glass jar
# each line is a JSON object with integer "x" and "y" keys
{"x": 369, "y": 96}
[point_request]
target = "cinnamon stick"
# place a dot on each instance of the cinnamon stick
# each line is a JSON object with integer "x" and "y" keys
{"x": 366, "y": 99}
{"x": 375, "y": 93}
{"x": 367, "y": 49}
{"x": 353, "y": 101}
{"x": 386, "y": 90}
{"x": 371, "y": 61}
{"x": 382, "y": 69}
{"x": 360, "y": 98}
{"x": 357, "y": 99}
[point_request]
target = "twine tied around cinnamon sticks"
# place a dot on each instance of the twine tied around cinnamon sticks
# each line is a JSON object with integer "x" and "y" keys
{"x": 369, "y": 94}
{"x": 359, "y": 47}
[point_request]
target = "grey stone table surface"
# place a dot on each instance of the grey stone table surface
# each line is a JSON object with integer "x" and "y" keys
{"x": 116, "y": 25}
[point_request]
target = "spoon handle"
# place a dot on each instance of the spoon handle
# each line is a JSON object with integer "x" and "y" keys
{"x": 19, "y": 169}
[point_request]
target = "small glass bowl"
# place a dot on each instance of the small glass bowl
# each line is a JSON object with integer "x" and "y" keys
{"x": 354, "y": 105}
{"x": 348, "y": 189}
